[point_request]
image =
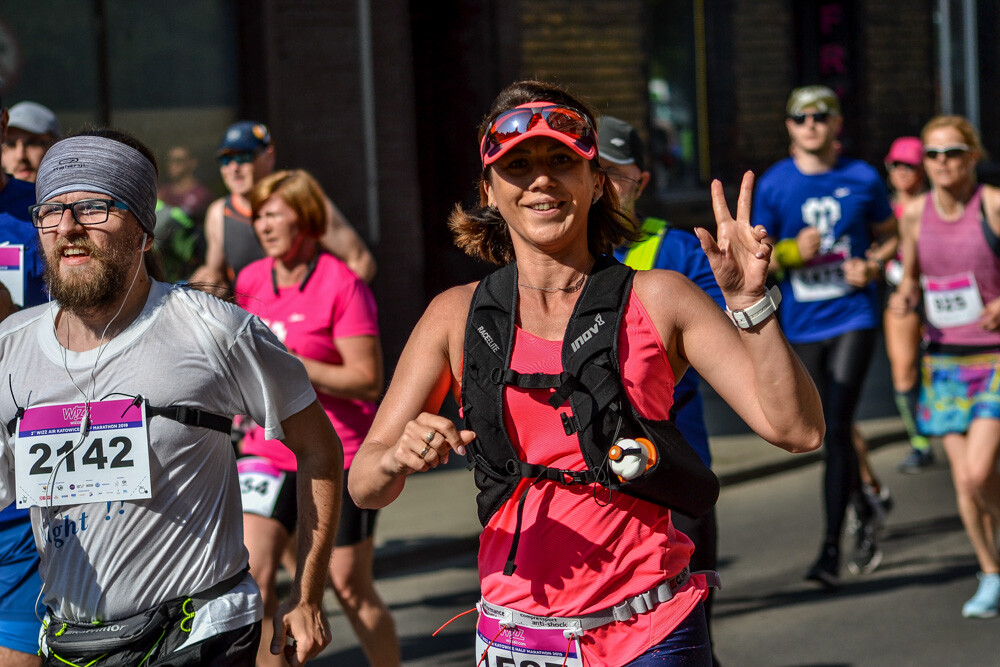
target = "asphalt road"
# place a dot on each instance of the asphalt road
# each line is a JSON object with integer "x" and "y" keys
{"x": 905, "y": 613}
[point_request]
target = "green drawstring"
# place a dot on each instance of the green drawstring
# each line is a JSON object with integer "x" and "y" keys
{"x": 188, "y": 615}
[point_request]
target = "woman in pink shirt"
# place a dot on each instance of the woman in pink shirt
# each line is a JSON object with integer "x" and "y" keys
{"x": 325, "y": 315}
{"x": 951, "y": 254}
{"x": 558, "y": 552}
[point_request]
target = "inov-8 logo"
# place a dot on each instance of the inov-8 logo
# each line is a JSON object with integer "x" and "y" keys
{"x": 588, "y": 334}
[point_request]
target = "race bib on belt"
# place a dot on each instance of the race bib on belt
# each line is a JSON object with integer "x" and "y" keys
{"x": 952, "y": 301}
{"x": 821, "y": 279}
{"x": 12, "y": 271}
{"x": 260, "y": 483}
{"x": 523, "y": 646}
{"x": 56, "y": 464}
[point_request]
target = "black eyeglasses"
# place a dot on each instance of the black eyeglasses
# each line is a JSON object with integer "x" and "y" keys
{"x": 238, "y": 158}
{"x": 817, "y": 116}
{"x": 84, "y": 211}
{"x": 891, "y": 166}
{"x": 949, "y": 152}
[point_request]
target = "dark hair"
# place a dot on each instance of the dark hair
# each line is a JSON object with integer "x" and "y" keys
{"x": 482, "y": 232}
{"x": 122, "y": 137}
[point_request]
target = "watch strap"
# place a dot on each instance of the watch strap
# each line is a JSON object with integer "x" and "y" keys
{"x": 758, "y": 312}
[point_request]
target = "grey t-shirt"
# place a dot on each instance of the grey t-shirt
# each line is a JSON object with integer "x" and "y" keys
{"x": 106, "y": 561}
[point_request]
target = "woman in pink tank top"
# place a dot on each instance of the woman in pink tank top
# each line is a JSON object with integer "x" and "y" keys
{"x": 572, "y": 572}
{"x": 950, "y": 254}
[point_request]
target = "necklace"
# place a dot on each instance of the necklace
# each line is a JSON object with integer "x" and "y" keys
{"x": 569, "y": 290}
{"x": 949, "y": 217}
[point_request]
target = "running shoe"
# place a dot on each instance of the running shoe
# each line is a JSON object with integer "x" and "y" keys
{"x": 825, "y": 570}
{"x": 987, "y": 598}
{"x": 880, "y": 502}
{"x": 866, "y": 556}
{"x": 917, "y": 461}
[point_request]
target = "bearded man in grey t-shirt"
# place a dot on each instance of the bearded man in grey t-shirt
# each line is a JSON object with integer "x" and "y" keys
{"x": 118, "y": 398}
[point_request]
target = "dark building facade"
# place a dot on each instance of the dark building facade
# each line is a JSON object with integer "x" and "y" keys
{"x": 381, "y": 100}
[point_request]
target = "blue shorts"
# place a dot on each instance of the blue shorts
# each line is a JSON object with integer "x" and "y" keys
{"x": 957, "y": 389}
{"x": 688, "y": 644}
{"x": 19, "y": 583}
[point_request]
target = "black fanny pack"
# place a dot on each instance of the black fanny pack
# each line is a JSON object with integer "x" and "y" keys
{"x": 123, "y": 642}
{"x": 129, "y": 641}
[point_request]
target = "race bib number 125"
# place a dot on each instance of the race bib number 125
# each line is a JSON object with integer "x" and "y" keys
{"x": 55, "y": 465}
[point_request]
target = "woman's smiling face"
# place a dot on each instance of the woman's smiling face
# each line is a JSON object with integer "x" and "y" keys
{"x": 544, "y": 190}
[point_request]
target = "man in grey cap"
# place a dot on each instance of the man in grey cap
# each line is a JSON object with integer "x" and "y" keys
{"x": 115, "y": 432}
{"x": 664, "y": 247}
{"x": 246, "y": 155}
{"x": 31, "y": 129}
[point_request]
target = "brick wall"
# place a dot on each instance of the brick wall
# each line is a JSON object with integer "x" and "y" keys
{"x": 312, "y": 78}
{"x": 596, "y": 48}
{"x": 899, "y": 57}
{"x": 764, "y": 65}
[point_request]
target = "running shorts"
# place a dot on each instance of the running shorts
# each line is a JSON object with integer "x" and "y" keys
{"x": 356, "y": 525}
{"x": 957, "y": 388}
{"x": 19, "y": 584}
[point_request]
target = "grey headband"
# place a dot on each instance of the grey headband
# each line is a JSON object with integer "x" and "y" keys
{"x": 98, "y": 164}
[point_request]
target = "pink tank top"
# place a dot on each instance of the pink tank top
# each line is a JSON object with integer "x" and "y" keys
{"x": 956, "y": 265}
{"x": 577, "y": 555}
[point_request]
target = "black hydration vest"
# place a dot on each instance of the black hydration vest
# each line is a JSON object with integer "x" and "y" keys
{"x": 590, "y": 381}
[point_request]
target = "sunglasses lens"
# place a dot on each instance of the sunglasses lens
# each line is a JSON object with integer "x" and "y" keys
{"x": 567, "y": 121}
{"x": 517, "y": 122}
{"x": 954, "y": 153}
{"x": 818, "y": 117}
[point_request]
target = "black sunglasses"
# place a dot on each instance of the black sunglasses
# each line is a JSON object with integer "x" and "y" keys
{"x": 817, "y": 116}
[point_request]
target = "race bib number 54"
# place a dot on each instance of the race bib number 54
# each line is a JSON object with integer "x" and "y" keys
{"x": 56, "y": 462}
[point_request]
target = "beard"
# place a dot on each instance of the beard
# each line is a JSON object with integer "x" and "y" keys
{"x": 102, "y": 282}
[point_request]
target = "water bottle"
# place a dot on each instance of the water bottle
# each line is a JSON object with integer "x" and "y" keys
{"x": 630, "y": 458}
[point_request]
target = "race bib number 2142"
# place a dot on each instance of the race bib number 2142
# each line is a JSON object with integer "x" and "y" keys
{"x": 56, "y": 464}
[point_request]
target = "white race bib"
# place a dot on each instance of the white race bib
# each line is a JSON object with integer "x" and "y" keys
{"x": 12, "y": 271}
{"x": 524, "y": 646}
{"x": 952, "y": 301}
{"x": 820, "y": 280}
{"x": 109, "y": 462}
{"x": 260, "y": 483}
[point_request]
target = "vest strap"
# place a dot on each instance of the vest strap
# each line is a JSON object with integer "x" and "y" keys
{"x": 191, "y": 417}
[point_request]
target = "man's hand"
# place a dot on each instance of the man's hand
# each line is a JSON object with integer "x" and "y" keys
{"x": 307, "y": 627}
{"x": 808, "y": 240}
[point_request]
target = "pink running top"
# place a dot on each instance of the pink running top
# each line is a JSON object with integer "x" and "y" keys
{"x": 948, "y": 252}
{"x": 332, "y": 303}
{"x": 577, "y": 555}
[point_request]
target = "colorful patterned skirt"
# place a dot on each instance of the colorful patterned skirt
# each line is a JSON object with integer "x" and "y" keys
{"x": 957, "y": 389}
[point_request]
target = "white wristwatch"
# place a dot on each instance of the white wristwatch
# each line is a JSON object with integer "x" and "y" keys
{"x": 757, "y": 313}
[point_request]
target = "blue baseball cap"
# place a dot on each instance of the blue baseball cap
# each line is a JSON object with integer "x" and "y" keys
{"x": 245, "y": 137}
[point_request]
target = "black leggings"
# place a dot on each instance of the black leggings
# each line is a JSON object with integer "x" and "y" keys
{"x": 838, "y": 367}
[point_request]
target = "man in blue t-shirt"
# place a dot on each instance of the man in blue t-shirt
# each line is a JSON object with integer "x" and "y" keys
{"x": 622, "y": 156}
{"x": 823, "y": 212}
{"x": 21, "y": 285}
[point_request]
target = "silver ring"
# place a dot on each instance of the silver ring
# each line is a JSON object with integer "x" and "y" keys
{"x": 423, "y": 452}
{"x": 430, "y": 436}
